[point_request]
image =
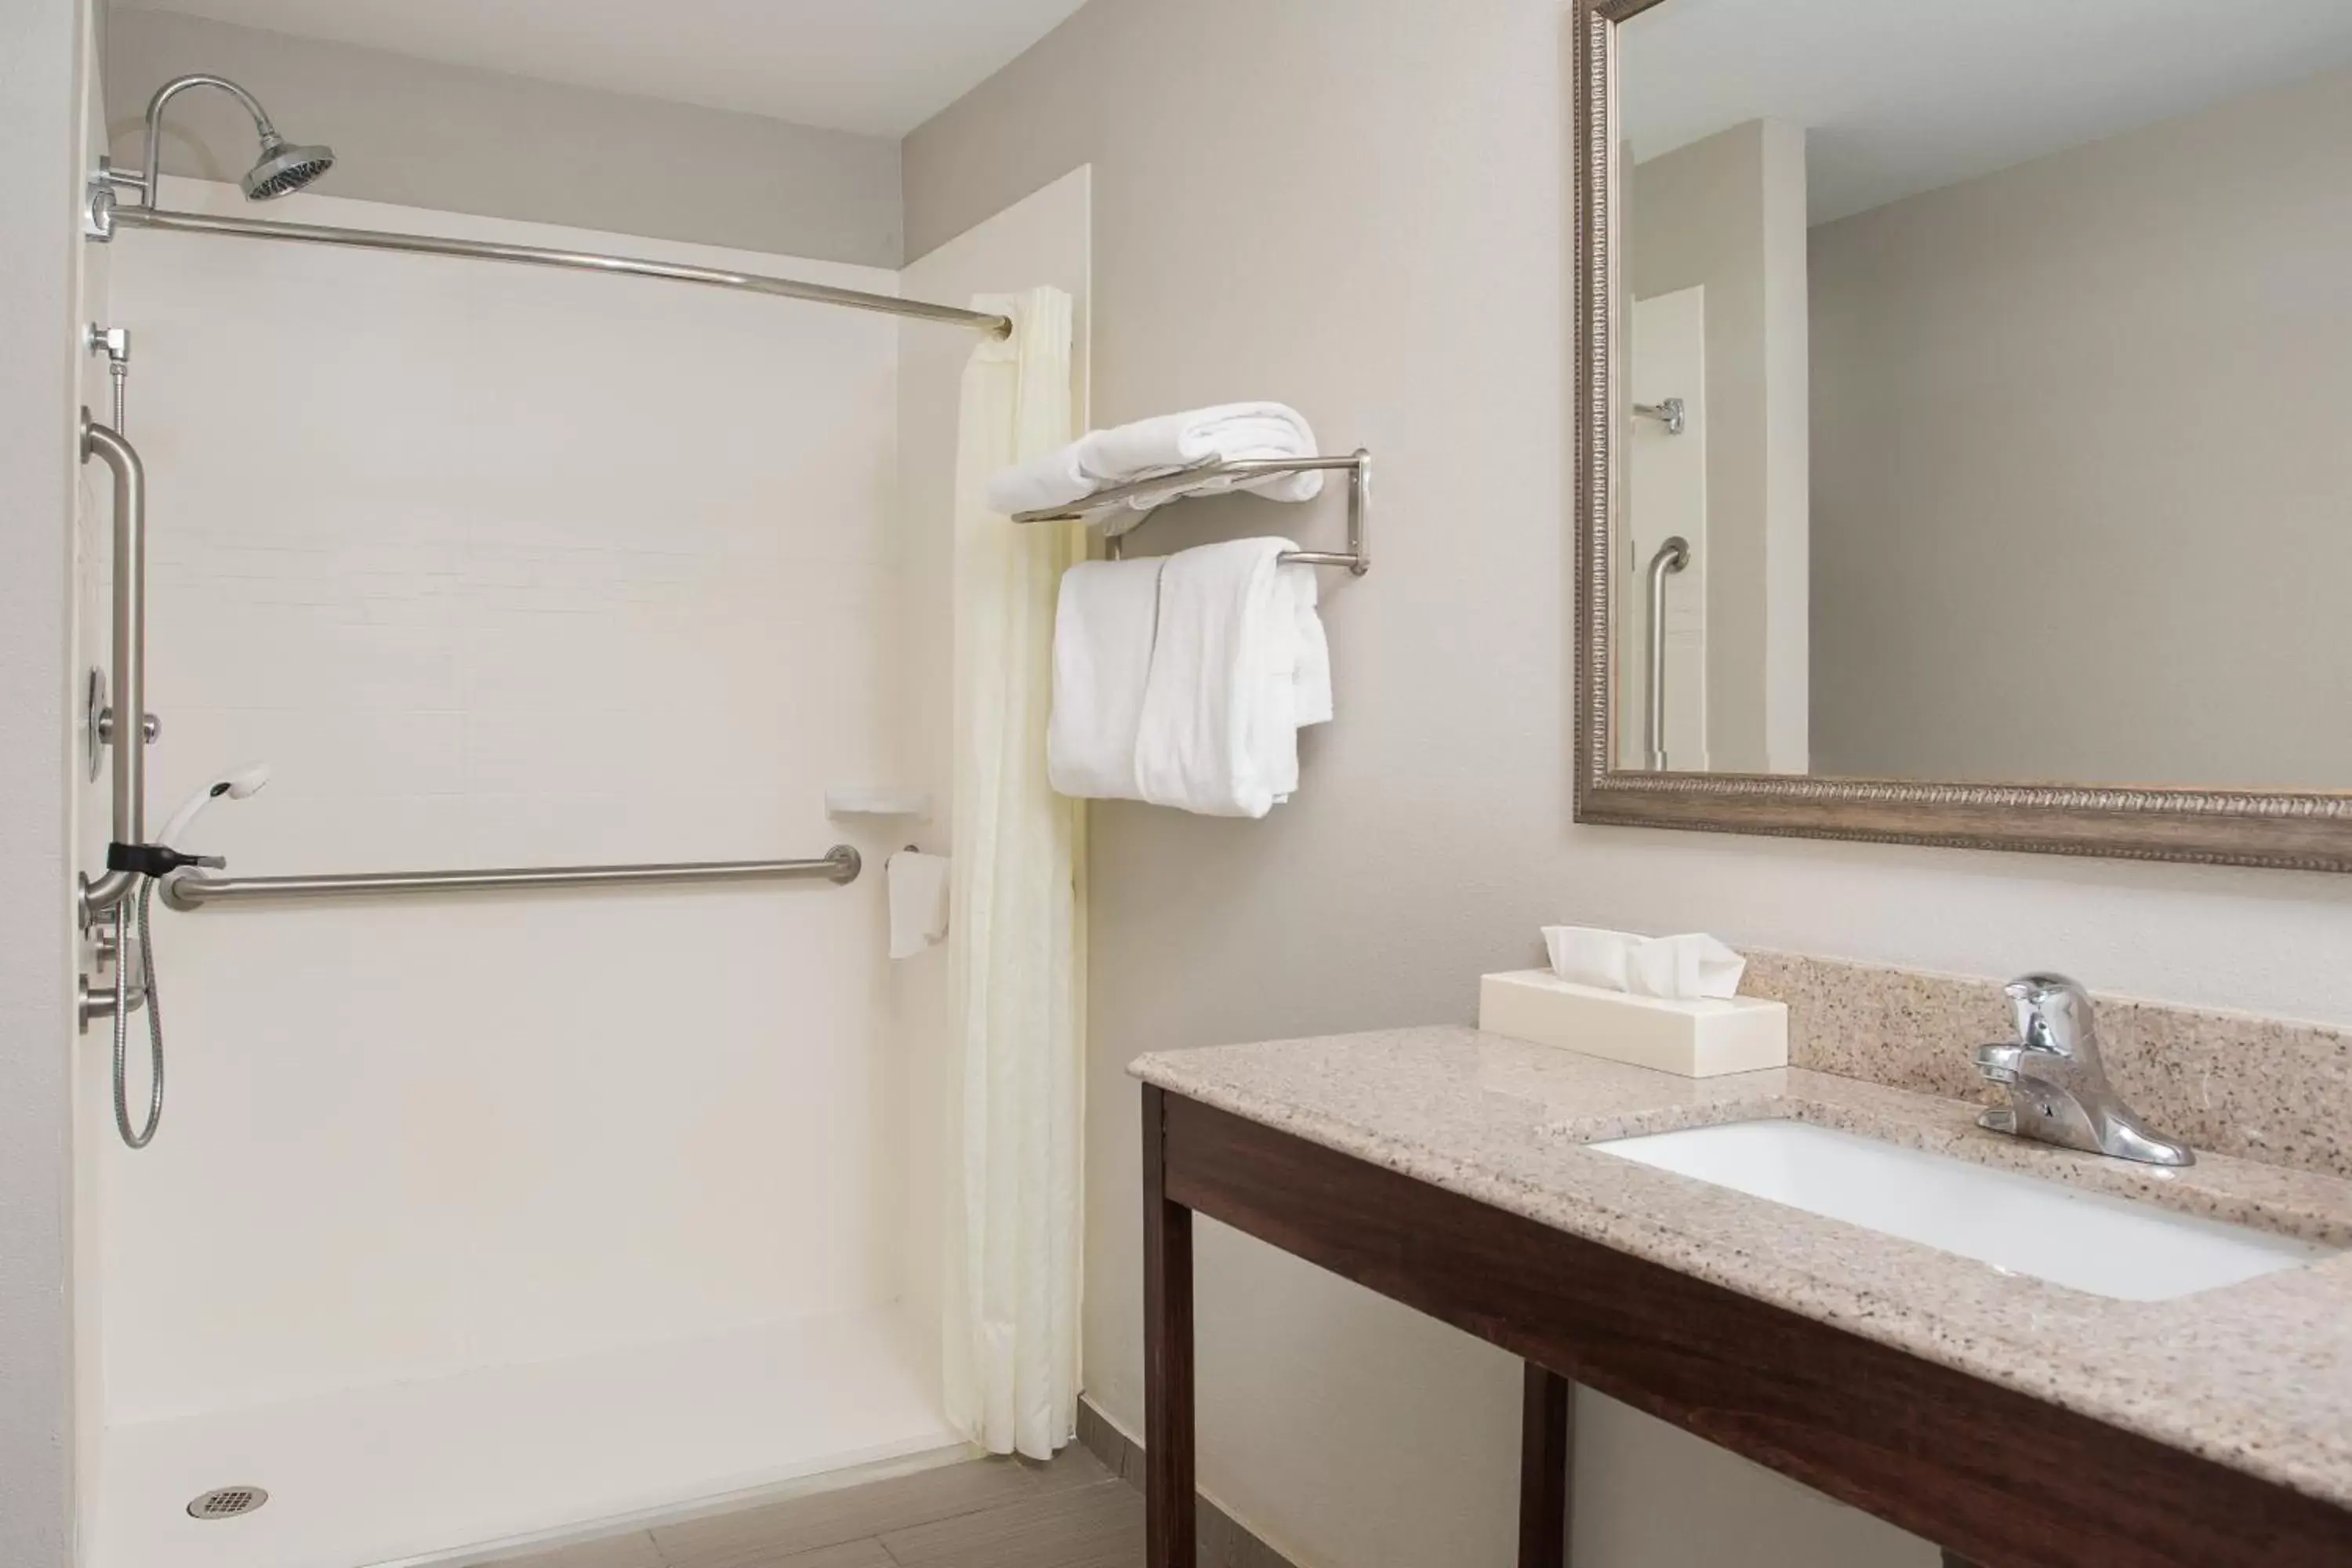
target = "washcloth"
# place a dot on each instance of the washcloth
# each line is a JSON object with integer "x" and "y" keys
{"x": 919, "y": 901}
{"x": 1224, "y": 700}
{"x": 1103, "y": 460}
{"x": 1104, "y": 624}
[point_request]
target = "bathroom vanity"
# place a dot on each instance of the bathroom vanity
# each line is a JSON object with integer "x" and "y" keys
{"x": 2124, "y": 1418}
{"x": 1892, "y": 522}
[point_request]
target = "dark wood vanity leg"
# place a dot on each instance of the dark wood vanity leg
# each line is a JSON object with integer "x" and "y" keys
{"x": 1547, "y": 1447}
{"x": 1169, "y": 1533}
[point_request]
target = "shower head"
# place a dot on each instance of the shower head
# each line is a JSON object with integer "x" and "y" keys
{"x": 236, "y": 784}
{"x": 284, "y": 168}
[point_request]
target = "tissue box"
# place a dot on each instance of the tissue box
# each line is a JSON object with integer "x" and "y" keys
{"x": 1703, "y": 1038}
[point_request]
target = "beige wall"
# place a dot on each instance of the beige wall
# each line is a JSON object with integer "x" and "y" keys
{"x": 1729, "y": 213}
{"x": 1360, "y": 213}
{"x": 423, "y": 134}
{"x": 41, "y": 115}
{"x": 2079, "y": 478}
{"x": 1361, "y": 210}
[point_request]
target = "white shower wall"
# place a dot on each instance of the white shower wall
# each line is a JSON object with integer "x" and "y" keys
{"x": 503, "y": 566}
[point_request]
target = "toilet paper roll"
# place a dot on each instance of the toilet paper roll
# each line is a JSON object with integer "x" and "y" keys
{"x": 919, "y": 901}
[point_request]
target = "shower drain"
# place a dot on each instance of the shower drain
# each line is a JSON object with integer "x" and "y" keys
{"x": 227, "y": 1502}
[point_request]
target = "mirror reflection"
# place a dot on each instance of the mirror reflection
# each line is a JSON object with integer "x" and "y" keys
{"x": 1983, "y": 394}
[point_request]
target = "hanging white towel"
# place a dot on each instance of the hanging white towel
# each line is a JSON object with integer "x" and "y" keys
{"x": 1219, "y": 731}
{"x": 1295, "y": 679}
{"x": 1314, "y": 679}
{"x": 919, "y": 901}
{"x": 1103, "y": 628}
{"x": 1103, "y": 460}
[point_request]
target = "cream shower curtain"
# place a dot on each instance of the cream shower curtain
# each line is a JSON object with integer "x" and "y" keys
{"x": 1018, "y": 927}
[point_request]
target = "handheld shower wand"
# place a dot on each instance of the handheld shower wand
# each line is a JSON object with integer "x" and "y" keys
{"x": 236, "y": 784}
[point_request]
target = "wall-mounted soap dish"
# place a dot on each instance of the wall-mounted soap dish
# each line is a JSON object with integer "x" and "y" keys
{"x": 915, "y": 803}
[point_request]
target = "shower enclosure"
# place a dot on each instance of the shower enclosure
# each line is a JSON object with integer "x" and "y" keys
{"x": 547, "y": 1139}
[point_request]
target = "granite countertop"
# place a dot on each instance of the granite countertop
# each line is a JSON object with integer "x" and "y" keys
{"x": 2257, "y": 1375}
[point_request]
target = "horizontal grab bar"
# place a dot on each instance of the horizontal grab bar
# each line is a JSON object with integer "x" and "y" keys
{"x": 187, "y": 891}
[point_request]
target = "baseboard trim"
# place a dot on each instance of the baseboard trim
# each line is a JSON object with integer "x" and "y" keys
{"x": 1223, "y": 1542}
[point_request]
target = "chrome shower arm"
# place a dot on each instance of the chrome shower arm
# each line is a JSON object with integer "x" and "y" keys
{"x": 149, "y": 177}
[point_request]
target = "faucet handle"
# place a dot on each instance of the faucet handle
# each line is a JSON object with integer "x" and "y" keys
{"x": 1997, "y": 1064}
{"x": 2053, "y": 1014}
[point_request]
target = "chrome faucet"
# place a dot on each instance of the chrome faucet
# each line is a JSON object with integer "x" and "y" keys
{"x": 2058, "y": 1092}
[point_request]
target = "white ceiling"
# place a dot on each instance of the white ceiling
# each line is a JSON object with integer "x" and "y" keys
{"x": 882, "y": 67}
{"x": 1902, "y": 96}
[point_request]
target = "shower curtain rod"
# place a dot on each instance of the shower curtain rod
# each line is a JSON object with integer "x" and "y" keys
{"x": 142, "y": 216}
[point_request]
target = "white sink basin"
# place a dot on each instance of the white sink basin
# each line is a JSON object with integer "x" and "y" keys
{"x": 2018, "y": 1223}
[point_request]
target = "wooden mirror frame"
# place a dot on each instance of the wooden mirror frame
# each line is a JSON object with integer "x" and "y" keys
{"x": 2308, "y": 830}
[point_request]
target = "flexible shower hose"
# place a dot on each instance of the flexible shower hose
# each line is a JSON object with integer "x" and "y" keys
{"x": 139, "y": 1140}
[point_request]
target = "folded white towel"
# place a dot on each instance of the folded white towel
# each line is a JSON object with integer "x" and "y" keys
{"x": 1228, "y": 431}
{"x": 1219, "y": 731}
{"x": 919, "y": 901}
{"x": 1103, "y": 628}
{"x": 1103, "y": 460}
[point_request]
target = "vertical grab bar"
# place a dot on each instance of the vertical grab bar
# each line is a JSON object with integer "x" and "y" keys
{"x": 1672, "y": 556}
{"x": 129, "y": 735}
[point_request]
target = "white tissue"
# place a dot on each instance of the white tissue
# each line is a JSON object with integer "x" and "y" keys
{"x": 1588, "y": 955}
{"x": 1694, "y": 964}
{"x": 1679, "y": 967}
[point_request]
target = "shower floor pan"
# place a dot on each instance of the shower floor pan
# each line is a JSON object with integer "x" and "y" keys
{"x": 441, "y": 1471}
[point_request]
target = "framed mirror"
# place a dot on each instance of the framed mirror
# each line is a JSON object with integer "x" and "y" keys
{"x": 1963, "y": 423}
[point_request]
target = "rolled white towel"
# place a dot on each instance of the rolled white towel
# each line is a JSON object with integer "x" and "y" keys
{"x": 1041, "y": 484}
{"x": 1148, "y": 448}
{"x": 1228, "y": 431}
{"x": 1104, "y": 623}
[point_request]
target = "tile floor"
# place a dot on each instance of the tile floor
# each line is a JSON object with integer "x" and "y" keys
{"x": 984, "y": 1513}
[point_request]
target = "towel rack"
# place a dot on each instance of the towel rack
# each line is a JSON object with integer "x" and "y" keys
{"x": 1120, "y": 511}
